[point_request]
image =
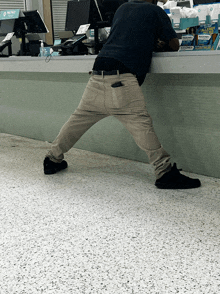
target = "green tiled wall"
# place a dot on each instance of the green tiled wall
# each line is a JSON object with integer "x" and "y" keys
{"x": 185, "y": 109}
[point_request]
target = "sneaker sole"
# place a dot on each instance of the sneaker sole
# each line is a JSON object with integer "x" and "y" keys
{"x": 53, "y": 171}
{"x": 177, "y": 186}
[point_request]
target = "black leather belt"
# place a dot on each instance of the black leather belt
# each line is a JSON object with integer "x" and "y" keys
{"x": 108, "y": 73}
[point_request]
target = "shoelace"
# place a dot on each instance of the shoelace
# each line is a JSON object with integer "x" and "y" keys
{"x": 175, "y": 168}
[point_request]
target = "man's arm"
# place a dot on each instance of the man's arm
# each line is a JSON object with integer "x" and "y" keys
{"x": 172, "y": 45}
{"x": 168, "y": 40}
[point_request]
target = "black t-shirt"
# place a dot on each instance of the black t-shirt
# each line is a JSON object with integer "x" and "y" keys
{"x": 136, "y": 27}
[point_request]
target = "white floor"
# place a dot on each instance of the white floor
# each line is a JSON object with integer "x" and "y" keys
{"x": 102, "y": 226}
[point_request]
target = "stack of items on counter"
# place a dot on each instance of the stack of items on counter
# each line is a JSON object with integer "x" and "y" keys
{"x": 201, "y": 23}
{"x": 203, "y": 37}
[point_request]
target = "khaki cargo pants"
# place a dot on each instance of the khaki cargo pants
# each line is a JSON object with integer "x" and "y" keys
{"x": 126, "y": 103}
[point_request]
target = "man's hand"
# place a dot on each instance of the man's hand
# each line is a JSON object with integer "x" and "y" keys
{"x": 160, "y": 44}
{"x": 172, "y": 45}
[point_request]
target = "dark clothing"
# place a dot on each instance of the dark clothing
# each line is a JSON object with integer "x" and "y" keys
{"x": 108, "y": 64}
{"x": 136, "y": 27}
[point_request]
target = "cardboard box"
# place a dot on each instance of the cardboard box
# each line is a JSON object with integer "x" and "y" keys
{"x": 207, "y": 29}
{"x": 186, "y": 48}
{"x": 206, "y": 38}
{"x": 211, "y": 46}
{"x": 187, "y": 40}
{"x": 203, "y": 40}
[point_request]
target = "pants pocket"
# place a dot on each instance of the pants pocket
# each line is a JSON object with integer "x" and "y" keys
{"x": 119, "y": 96}
{"x": 128, "y": 95}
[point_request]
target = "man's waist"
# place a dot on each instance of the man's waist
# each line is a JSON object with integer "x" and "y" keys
{"x": 109, "y": 73}
{"x": 109, "y": 64}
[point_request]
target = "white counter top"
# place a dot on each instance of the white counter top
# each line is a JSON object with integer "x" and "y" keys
{"x": 166, "y": 62}
{"x": 186, "y": 62}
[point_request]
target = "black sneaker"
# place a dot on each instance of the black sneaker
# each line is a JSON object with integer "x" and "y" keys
{"x": 175, "y": 180}
{"x": 51, "y": 167}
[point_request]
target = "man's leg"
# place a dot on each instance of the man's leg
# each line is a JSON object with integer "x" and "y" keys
{"x": 90, "y": 110}
{"x": 79, "y": 122}
{"x": 133, "y": 114}
{"x": 128, "y": 106}
{"x": 167, "y": 176}
{"x": 139, "y": 124}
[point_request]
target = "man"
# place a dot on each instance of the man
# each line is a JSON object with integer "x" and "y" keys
{"x": 114, "y": 89}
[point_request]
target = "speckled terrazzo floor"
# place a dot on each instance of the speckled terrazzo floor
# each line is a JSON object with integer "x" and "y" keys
{"x": 102, "y": 226}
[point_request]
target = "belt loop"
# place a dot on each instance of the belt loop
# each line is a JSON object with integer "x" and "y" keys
{"x": 102, "y": 74}
{"x": 118, "y": 73}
